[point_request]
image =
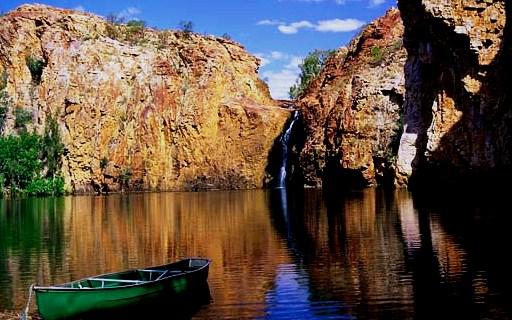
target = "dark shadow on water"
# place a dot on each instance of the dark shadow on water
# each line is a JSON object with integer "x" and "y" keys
{"x": 461, "y": 271}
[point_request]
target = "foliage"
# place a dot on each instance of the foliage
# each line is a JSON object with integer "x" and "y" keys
{"x": 3, "y": 115}
{"x": 36, "y": 67}
{"x": 124, "y": 177}
{"x": 19, "y": 159}
{"x": 103, "y": 163}
{"x": 46, "y": 187}
{"x": 112, "y": 31}
{"x": 377, "y": 55}
{"x": 4, "y": 100}
{"x": 3, "y": 80}
{"x": 115, "y": 19}
{"x": 310, "y": 68}
{"x": 22, "y": 118}
{"x": 52, "y": 147}
{"x": 226, "y": 36}
{"x": 134, "y": 31}
{"x": 397, "y": 45}
{"x": 187, "y": 27}
{"x": 26, "y": 158}
{"x": 112, "y": 26}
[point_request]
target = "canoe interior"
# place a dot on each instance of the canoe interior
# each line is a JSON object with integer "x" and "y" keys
{"x": 134, "y": 277}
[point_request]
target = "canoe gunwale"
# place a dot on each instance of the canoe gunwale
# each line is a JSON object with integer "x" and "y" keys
{"x": 139, "y": 284}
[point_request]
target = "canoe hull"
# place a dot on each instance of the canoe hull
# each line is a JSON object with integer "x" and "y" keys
{"x": 63, "y": 303}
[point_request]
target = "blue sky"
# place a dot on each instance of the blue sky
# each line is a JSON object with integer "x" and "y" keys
{"x": 281, "y": 32}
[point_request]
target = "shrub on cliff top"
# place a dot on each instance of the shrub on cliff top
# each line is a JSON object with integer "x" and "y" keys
{"x": 186, "y": 26}
{"x": 311, "y": 67}
{"x": 134, "y": 31}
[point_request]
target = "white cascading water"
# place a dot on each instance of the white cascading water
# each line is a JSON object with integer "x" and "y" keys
{"x": 285, "y": 141}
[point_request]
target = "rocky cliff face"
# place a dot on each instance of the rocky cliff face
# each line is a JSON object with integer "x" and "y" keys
{"x": 164, "y": 110}
{"x": 352, "y": 110}
{"x": 458, "y": 108}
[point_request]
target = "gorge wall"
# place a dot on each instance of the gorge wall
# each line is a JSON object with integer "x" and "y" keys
{"x": 352, "y": 110}
{"x": 458, "y": 112}
{"x": 168, "y": 110}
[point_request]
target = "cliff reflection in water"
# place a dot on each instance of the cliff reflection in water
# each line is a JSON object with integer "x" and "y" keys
{"x": 276, "y": 254}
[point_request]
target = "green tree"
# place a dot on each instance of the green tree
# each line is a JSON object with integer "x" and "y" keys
{"x": 19, "y": 159}
{"x": 187, "y": 27}
{"x": 52, "y": 148}
{"x": 309, "y": 69}
{"x": 22, "y": 118}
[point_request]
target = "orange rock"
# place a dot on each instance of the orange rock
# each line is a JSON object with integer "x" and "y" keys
{"x": 352, "y": 109}
{"x": 170, "y": 110}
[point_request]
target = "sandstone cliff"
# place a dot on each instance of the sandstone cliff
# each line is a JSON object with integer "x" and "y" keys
{"x": 161, "y": 110}
{"x": 352, "y": 110}
{"x": 458, "y": 109}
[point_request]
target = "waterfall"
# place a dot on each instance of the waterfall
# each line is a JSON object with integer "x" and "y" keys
{"x": 285, "y": 144}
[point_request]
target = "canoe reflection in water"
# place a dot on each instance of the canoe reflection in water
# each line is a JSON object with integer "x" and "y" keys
{"x": 128, "y": 292}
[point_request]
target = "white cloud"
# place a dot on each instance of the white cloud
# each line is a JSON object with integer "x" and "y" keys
{"x": 284, "y": 74}
{"x": 295, "y": 62}
{"x": 374, "y": 3}
{"x": 338, "y": 25}
{"x": 279, "y": 82}
{"x": 79, "y": 8}
{"x": 371, "y": 3}
{"x": 267, "y": 22}
{"x": 129, "y": 13}
{"x": 278, "y": 55}
{"x": 294, "y": 27}
{"x": 334, "y": 25}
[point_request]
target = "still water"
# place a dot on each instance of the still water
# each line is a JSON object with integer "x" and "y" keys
{"x": 298, "y": 255}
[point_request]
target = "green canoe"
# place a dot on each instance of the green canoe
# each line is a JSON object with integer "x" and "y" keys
{"x": 120, "y": 290}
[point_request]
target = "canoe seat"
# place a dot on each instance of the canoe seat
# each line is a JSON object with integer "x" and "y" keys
{"x": 115, "y": 280}
{"x": 120, "y": 281}
{"x": 151, "y": 270}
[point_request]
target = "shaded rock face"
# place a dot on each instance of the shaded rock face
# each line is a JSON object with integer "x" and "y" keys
{"x": 170, "y": 111}
{"x": 458, "y": 116}
{"x": 352, "y": 110}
